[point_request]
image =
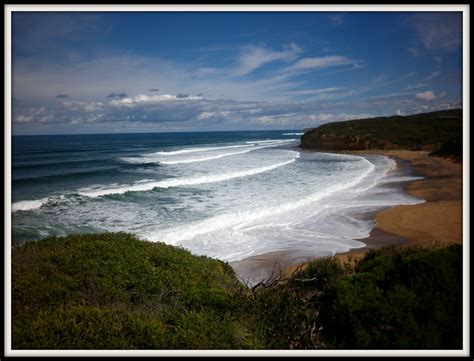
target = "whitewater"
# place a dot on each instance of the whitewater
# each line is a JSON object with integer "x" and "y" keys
{"x": 228, "y": 195}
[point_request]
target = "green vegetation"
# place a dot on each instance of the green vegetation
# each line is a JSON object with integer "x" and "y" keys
{"x": 392, "y": 299}
{"x": 452, "y": 148}
{"x": 428, "y": 131}
{"x": 113, "y": 291}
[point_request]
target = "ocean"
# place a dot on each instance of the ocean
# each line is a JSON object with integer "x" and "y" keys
{"x": 228, "y": 195}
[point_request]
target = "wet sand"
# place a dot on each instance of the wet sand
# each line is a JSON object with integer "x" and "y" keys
{"x": 436, "y": 222}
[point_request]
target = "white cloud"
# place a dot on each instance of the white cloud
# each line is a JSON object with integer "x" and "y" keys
{"x": 254, "y": 57}
{"x": 38, "y": 115}
{"x": 170, "y": 113}
{"x": 152, "y": 99}
{"x": 209, "y": 115}
{"x": 78, "y": 105}
{"x": 427, "y": 95}
{"x": 320, "y": 62}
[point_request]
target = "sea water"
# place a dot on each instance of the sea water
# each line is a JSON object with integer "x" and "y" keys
{"x": 228, "y": 195}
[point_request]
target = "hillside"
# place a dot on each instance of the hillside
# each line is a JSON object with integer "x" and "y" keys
{"x": 114, "y": 291}
{"x": 437, "y": 132}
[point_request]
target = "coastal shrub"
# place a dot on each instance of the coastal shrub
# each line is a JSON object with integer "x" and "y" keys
{"x": 394, "y": 298}
{"x": 288, "y": 315}
{"x": 89, "y": 327}
{"x": 418, "y": 131}
{"x": 452, "y": 148}
{"x": 115, "y": 291}
{"x": 399, "y": 298}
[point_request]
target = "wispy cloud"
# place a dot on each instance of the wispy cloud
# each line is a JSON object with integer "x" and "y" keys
{"x": 424, "y": 82}
{"x": 319, "y": 63}
{"x": 336, "y": 19}
{"x": 316, "y": 91}
{"x": 439, "y": 31}
{"x": 433, "y": 75}
{"x": 41, "y": 33}
{"x": 254, "y": 57}
{"x": 414, "y": 51}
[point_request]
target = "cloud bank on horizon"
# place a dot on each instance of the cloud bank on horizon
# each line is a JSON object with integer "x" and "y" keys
{"x": 133, "y": 72}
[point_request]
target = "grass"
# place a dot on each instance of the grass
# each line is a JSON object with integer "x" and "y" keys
{"x": 114, "y": 291}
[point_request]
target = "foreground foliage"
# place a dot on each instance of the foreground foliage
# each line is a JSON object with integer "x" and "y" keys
{"x": 113, "y": 291}
{"x": 392, "y": 299}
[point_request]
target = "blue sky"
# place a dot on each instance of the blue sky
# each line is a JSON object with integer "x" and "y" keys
{"x": 90, "y": 72}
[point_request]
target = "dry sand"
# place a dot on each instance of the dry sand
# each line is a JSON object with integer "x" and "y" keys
{"x": 436, "y": 222}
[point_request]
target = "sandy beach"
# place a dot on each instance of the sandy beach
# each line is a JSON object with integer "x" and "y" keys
{"x": 438, "y": 221}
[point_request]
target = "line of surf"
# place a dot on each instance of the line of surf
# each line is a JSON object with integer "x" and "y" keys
{"x": 203, "y": 149}
{"x": 181, "y": 182}
{"x": 152, "y": 158}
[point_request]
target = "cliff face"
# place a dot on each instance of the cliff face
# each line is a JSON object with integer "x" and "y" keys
{"x": 426, "y": 131}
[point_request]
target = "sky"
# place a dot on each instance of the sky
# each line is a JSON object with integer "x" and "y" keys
{"x": 120, "y": 72}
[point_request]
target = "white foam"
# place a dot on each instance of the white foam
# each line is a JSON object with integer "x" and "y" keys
{"x": 28, "y": 205}
{"x": 203, "y": 149}
{"x": 292, "y": 133}
{"x": 211, "y": 157}
{"x": 158, "y": 158}
{"x": 400, "y": 179}
{"x": 246, "y": 218}
{"x": 141, "y": 186}
{"x": 54, "y": 200}
{"x": 276, "y": 141}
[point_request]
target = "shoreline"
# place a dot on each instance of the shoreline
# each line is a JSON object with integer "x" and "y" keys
{"x": 435, "y": 222}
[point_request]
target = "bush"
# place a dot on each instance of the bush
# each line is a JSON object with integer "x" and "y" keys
{"x": 450, "y": 149}
{"x": 115, "y": 291}
{"x": 394, "y": 298}
{"x": 401, "y": 299}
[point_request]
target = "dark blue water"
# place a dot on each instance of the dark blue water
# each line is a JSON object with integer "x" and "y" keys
{"x": 47, "y": 164}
